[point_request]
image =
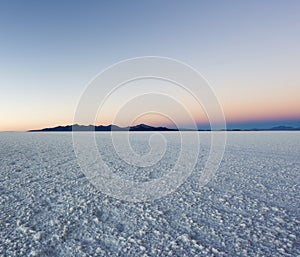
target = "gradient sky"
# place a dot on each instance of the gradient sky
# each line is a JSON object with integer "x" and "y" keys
{"x": 247, "y": 50}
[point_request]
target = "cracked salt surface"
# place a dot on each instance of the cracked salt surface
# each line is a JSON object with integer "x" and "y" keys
{"x": 251, "y": 207}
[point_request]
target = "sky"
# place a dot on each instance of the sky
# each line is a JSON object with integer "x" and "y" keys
{"x": 247, "y": 50}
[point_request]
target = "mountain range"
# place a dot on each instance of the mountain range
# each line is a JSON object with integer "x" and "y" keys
{"x": 76, "y": 127}
{"x": 144, "y": 127}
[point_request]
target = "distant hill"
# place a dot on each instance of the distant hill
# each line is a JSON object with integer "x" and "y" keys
{"x": 277, "y": 128}
{"x": 76, "y": 127}
{"x": 284, "y": 128}
{"x": 144, "y": 127}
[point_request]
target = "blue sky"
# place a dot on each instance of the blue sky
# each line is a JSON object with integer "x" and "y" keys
{"x": 49, "y": 50}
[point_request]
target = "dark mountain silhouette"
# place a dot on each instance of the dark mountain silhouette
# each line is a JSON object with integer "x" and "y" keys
{"x": 284, "y": 128}
{"x": 76, "y": 127}
{"x": 277, "y": 128}
{"x": 144, "y": 127}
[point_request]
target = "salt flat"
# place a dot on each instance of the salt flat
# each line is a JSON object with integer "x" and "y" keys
{"x": 250, "y": 208}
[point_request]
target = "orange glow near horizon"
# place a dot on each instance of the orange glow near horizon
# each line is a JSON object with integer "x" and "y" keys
{"x": 241, "y": 115}
{"x": 244, "y": 112}
{"x": 244, "y": 109}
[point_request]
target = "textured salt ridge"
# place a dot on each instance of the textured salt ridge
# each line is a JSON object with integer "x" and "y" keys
{"x": 251, "y": 208}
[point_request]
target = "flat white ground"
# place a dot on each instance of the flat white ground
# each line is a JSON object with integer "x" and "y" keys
{"x": 251, "y": 208}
